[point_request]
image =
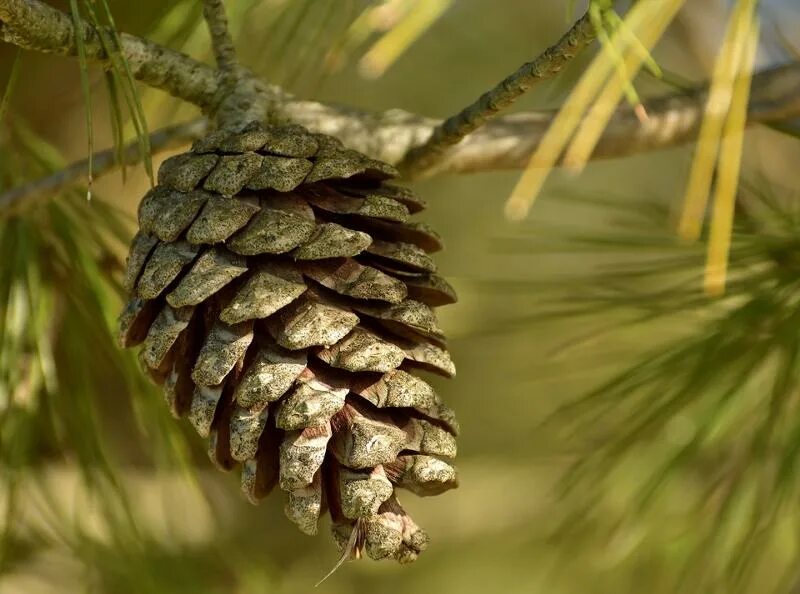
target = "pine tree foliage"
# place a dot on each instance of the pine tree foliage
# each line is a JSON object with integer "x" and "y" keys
{"x": 687, "y": 447}
{"x": 708, "y": 407}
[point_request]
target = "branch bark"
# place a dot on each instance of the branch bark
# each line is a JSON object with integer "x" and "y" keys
{"x": 221, "y": 40}
{"x": 241, "y": 97}
{"x": 33, "y": 25}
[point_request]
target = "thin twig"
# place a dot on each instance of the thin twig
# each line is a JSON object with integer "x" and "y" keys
{"x": 454, "y": 129}
{"x": 241, "y": 98}
{"x": 221, "y": 40}
{"x": 104, "y": 162}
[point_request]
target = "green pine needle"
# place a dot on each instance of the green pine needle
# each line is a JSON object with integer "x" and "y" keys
{"x": 710, "y": 404}
{"x": 85, "y": 86}
{"x": 5, "y": 100}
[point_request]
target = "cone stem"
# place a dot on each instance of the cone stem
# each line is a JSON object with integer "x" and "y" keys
{"x": 240, "y": 99}
{"x": 221, "y": 40}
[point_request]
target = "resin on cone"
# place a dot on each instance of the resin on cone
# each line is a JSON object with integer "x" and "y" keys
{"x": 284, "y": 299}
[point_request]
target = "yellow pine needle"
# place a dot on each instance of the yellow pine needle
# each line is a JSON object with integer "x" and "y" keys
{"x": 370, "y": 20}
{"x": 395, "y": 42}
{"x": 717, "y": 106}
{"x": 569, "y": 116}
{"x": 596, "y": 120}
{"x": 600, "y": 24}
{"x": 729, "y": 167}
{"x": 786, "y": 44}
{"x": 615, "y": 22}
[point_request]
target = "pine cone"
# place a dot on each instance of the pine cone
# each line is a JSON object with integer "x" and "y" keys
{"x": 284, "y": 302}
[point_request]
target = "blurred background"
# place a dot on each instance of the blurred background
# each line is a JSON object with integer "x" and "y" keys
{"x": 101, "y": 491}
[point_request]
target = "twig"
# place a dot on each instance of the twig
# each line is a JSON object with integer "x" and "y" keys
{"x": 33, "y": 25}
{"x": 454, "y": 129}
{"x": 104, "y": 162}
{"x": 221, "y": 40}
{"x": 241, "y": 98}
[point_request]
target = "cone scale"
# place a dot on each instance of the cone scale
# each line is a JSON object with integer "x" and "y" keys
{"x": 284, "y": 299}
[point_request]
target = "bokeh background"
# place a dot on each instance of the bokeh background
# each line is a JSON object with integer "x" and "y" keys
{"x": 171, "y": 523}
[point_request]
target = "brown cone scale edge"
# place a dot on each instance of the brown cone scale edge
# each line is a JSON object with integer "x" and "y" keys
{"x": 284, "y": 299}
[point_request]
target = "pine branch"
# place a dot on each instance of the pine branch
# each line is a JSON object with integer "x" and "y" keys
{"x": 456, "y": 128}
{"x": 505, "y": 143}
{"x": 33, "y": 25}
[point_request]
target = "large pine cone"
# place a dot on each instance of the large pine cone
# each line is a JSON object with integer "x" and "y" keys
{"x": 284, "y": 302}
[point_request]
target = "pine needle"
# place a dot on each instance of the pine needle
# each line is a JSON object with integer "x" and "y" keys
{"x": 393, "y": 44}
{"x": 717, "y": 106}
{"x": 598, "y": 116}
{"x": 117, "y": 125}
{"x": 614, "y": 20}
{"x": 569, "y": 116}
{"x": 356, "y": 33}
{"x": 123, "y": 78}
{"x": 303, "y": 59}
{"x": 286, "y": 31}
{"x": 11, "y": 84}
{"x": 347, "y": 551}
{"x": 601, "y": 23}
{"x": 729, "y": 167}
{"x": 87, "y": 91}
